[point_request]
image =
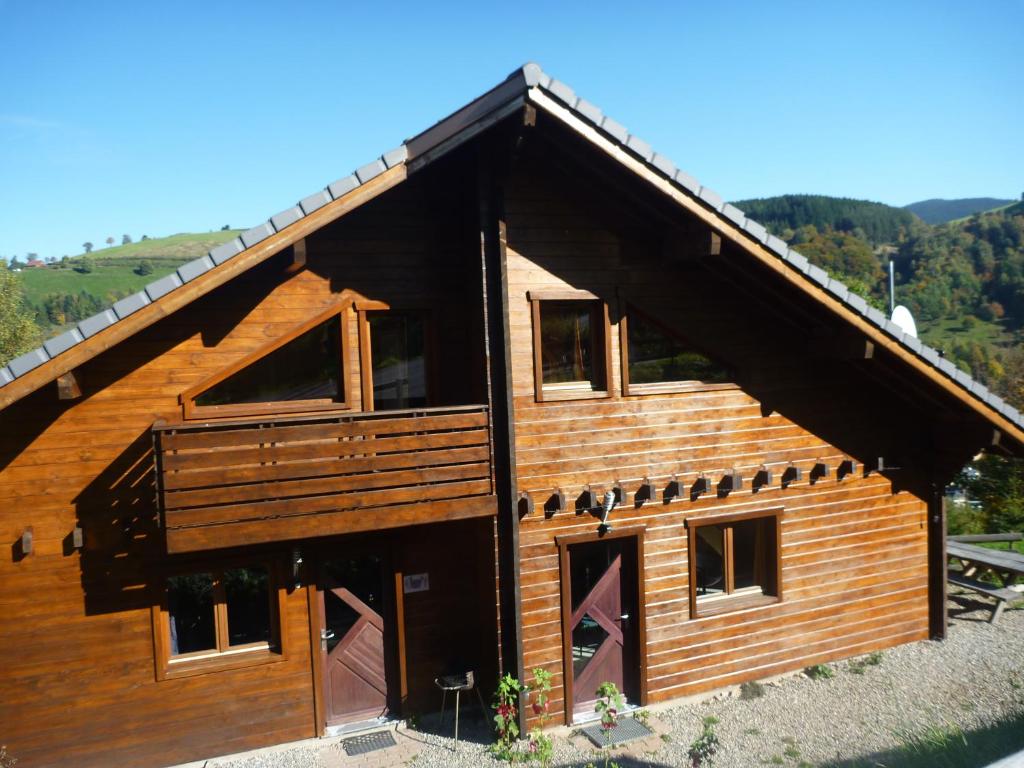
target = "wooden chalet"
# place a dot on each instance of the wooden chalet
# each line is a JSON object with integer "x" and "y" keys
{"x": 518, "y": 393}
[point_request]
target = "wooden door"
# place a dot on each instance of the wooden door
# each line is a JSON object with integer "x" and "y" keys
{"x": 603, "y": 622}
{"x": 354, "y": 632}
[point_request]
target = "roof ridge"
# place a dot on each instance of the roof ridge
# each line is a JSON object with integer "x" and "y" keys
{"x": 526, "y": 77}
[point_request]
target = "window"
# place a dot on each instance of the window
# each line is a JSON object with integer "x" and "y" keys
{"x": 398, "y": 342}
{"x": 302, "y": 371}
{"x": 217, "y": 618}
{"x": 654, "y": 359}
{"x": 734, "y": 562}
{"x": 570, "y": 340}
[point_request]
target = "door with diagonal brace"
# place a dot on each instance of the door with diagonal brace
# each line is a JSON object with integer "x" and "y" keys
{"x": 603, "y": 619}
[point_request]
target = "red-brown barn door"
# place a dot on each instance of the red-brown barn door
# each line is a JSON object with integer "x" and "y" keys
{"x": 603, "y": 620}
{"x": 353, "y": 611}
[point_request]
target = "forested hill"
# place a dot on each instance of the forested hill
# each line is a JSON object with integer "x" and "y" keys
{"x": 938, "y": 211}
{"x": 877, "y": 223}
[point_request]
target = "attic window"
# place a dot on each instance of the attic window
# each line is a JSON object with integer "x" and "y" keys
{"x": 655, "y": 359}
{"x": 570, "y": 345}
{"x": 304, "y": 370}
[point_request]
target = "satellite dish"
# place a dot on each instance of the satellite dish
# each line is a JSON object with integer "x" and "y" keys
{"x": 902, "y": 317}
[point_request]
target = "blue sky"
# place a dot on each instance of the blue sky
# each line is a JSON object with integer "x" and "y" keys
{"x": 156, "y": 118}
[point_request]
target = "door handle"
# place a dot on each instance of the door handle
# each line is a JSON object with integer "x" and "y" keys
{"x": 326, "y": 634}
{"x": 624, "y": 617}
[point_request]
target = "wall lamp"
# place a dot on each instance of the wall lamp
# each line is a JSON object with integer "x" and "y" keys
{"x": 611, "y": 500}
{"x": 791, "y": 474}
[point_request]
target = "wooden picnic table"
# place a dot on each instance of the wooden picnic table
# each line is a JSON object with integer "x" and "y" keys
{"x": 974, "y": 560}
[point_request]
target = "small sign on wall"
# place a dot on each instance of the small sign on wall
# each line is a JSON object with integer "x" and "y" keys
{"x": 416, "y": 582}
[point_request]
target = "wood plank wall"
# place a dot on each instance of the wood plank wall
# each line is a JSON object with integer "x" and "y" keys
{"x": 77, "y": 685}
{"x": 853, "y": 552}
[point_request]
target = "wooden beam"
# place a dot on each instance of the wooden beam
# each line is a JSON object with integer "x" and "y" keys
{"x": 783, "y": 269}
{"x": 69, "y": 386}
{"x": 298, "y": 262}
{"x": 202, "y": 285}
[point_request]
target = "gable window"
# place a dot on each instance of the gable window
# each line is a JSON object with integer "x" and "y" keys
{"x": 734, "y": 562}
{"x": 217, "y": 618}
{"x": 656, "y": 360}
{"x": 304, "y": 370}
{"x": 398, "y": 359}
{"x": 570, "y": 345}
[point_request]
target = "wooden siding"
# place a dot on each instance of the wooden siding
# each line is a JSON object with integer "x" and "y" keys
{"x": 84, "y": 690}
{"x": 853, "y": 559}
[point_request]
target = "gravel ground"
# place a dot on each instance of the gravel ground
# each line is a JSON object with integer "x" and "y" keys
{"x": 969, "y": 681}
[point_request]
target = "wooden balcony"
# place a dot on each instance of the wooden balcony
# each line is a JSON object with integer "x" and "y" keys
{"x": 226, "y": 484}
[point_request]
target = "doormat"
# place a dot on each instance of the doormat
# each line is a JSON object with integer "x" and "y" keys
{"x": 628, "y": 729}
{"x": 367, "y": 742}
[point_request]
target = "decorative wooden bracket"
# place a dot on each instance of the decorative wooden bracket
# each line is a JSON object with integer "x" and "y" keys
{"x": 846, "y": 467}
{"x": 819, "y": 471}
{"x": 701, "y": 486}
{"x": 555, "y": 503}
{"x": 731, "y": 481}
{"x": 298, "y": 262}
{"x": 69, "y": 386}
{"x": 525, "y": 504}
{"x": 762, "y": 479}
{"x": 791, "y": 474}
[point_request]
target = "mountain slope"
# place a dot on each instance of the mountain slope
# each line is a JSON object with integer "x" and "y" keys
{"x": 879, "y": 223}
{"x": 938, "y": 211}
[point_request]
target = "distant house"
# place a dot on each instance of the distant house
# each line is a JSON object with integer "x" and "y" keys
{"x": 35, "y": 263}
{"x": 518, "y": 393}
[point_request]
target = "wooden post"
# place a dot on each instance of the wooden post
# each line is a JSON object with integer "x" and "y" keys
{"x": 937, "y": 618}
{"x": 497, "y": 338}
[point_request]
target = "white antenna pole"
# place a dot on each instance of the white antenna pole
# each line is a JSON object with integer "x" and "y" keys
{"x": 892, "y": 287}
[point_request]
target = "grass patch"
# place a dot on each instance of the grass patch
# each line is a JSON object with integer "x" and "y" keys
{"x": 860, "y": 666}
{"x": 820, "y": 672}
{"x": 106, "y": 283}
{"x": 186, "y": 245}
{"x": 946, "y": 745}
{"x": 751, "y": 690}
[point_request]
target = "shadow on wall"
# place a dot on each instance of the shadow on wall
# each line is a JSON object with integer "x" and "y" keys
{"x": 121, "y": 532}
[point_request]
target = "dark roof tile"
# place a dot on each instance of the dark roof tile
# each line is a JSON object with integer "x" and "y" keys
{"x": 395, "y": 156}
{"x": 562, "y": 92}
{"x": 22, "y": 364}
{"x": 758, "y": 231}
{"x": 371, "y": 171}
{"x": 734, "y": 214}
{"x": 590, "y": 111}
{"x": 777, "y": 245}
{"x": 62, "y": 343}
{"x": 641, "y": 147}
{"x": 315, "y": 202}
{"x": 163, "y": 286}
{"x": 195, "y": 268}
{"x": 343, "y": 186}
{"x": 225, "y": 251}
{"x": 663, "y": 164}
{"x": 130, "y": 304}
{"x": 532, "y": 74}
{"x": 687, "y": 181}
{"x": 712, "y": 198}
{"x": 838, "y": 289}
{"x": 93, "y": 325}
{"x": 257, "y": 234}
{"x": 286, "y": 217}
{"x": 615, "y": 129}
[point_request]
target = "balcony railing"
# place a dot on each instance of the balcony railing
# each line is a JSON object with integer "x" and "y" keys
{"x": 276, "y": 479}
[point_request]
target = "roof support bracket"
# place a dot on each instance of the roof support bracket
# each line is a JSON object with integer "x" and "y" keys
{"x": 69, "y": 385}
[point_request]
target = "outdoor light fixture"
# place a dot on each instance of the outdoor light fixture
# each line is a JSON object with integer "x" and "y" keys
{"x": 846, "y": 467}
{"x": 77, "y": 538}
{"x": 610, "y": 502}
{"x": 26, "y": 542}
{"x": 819, "y": 470}
{"x": 792, "y": 474}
